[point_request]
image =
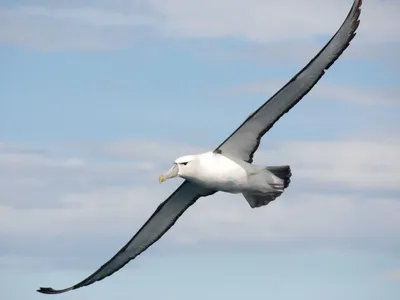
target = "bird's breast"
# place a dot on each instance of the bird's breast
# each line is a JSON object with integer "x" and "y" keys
{"x": 219, "y": 172}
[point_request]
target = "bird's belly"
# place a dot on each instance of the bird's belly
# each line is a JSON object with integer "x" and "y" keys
{"x": 220, "y": 173}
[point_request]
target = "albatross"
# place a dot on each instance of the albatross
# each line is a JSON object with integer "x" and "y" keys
{"x": 228, "y": 168}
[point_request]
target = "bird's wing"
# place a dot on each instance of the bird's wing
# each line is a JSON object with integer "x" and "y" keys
{"x": 245, "y": 140}
{"x": 162, "y": 219}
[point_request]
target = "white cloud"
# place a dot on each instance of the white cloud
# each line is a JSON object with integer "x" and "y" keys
{"x": 355, "y": 163}
{"x": 50, "y": 36}
{"x": 154, "y": 150}
{"x": 324, "y": 90}
{"x": 383, "y": 96}
{"x": 38, "y": 180}
{"x": 84, "y": 15}
{"x": 273, "y": 53}
{"x": 253, "y": 20}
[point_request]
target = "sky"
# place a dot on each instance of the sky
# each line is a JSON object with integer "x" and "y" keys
{"x": 98, "y": 97}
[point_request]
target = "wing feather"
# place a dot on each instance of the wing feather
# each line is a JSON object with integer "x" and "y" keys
{"x": 157, "y": 225}
{"x": 245, "y": 140}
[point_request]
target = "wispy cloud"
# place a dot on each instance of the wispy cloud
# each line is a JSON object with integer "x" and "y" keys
{"x": 347, "y": 163}
{"x": 254, "y": 21}
{"x": 324, "y": 90}
{"x": 272, "y": 53}
{"x": 84, "y": 15}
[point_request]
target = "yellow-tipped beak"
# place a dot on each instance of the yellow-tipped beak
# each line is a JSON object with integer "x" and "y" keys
{"x": 161, "y": 179}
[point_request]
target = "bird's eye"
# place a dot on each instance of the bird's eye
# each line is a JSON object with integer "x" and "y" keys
{"x": 184, "y": 163}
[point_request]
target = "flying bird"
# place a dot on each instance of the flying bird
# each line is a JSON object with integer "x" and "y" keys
{"x": 228, "y": 168}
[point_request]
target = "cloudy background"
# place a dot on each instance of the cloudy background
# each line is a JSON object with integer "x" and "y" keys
{"x": 97, "y": 97}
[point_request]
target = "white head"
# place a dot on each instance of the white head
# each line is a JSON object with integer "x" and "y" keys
{"x": 181, "y": 167}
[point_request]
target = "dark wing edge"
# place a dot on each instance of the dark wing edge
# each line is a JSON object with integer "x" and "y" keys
{"x": 353, "y": 17}
{"x": 185, "y": 188}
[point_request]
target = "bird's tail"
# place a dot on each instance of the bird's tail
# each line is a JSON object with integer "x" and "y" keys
{"x": 283, "y": 172}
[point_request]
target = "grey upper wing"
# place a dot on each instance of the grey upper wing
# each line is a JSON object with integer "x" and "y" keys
{"x": 162, "y": 219}
{"x": 244, "y": 141}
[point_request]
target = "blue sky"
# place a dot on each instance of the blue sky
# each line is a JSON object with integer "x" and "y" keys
{"x": 98, "y": 97}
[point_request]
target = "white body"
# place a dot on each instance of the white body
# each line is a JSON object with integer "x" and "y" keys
{"x": 215, "y": 171}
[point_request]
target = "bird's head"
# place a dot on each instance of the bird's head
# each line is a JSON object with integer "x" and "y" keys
{"x": 181, "y": 167}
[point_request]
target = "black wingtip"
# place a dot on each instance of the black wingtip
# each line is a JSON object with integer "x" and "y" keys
{"x": 46, "y": 290}
{"x": 49, "y": 290}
